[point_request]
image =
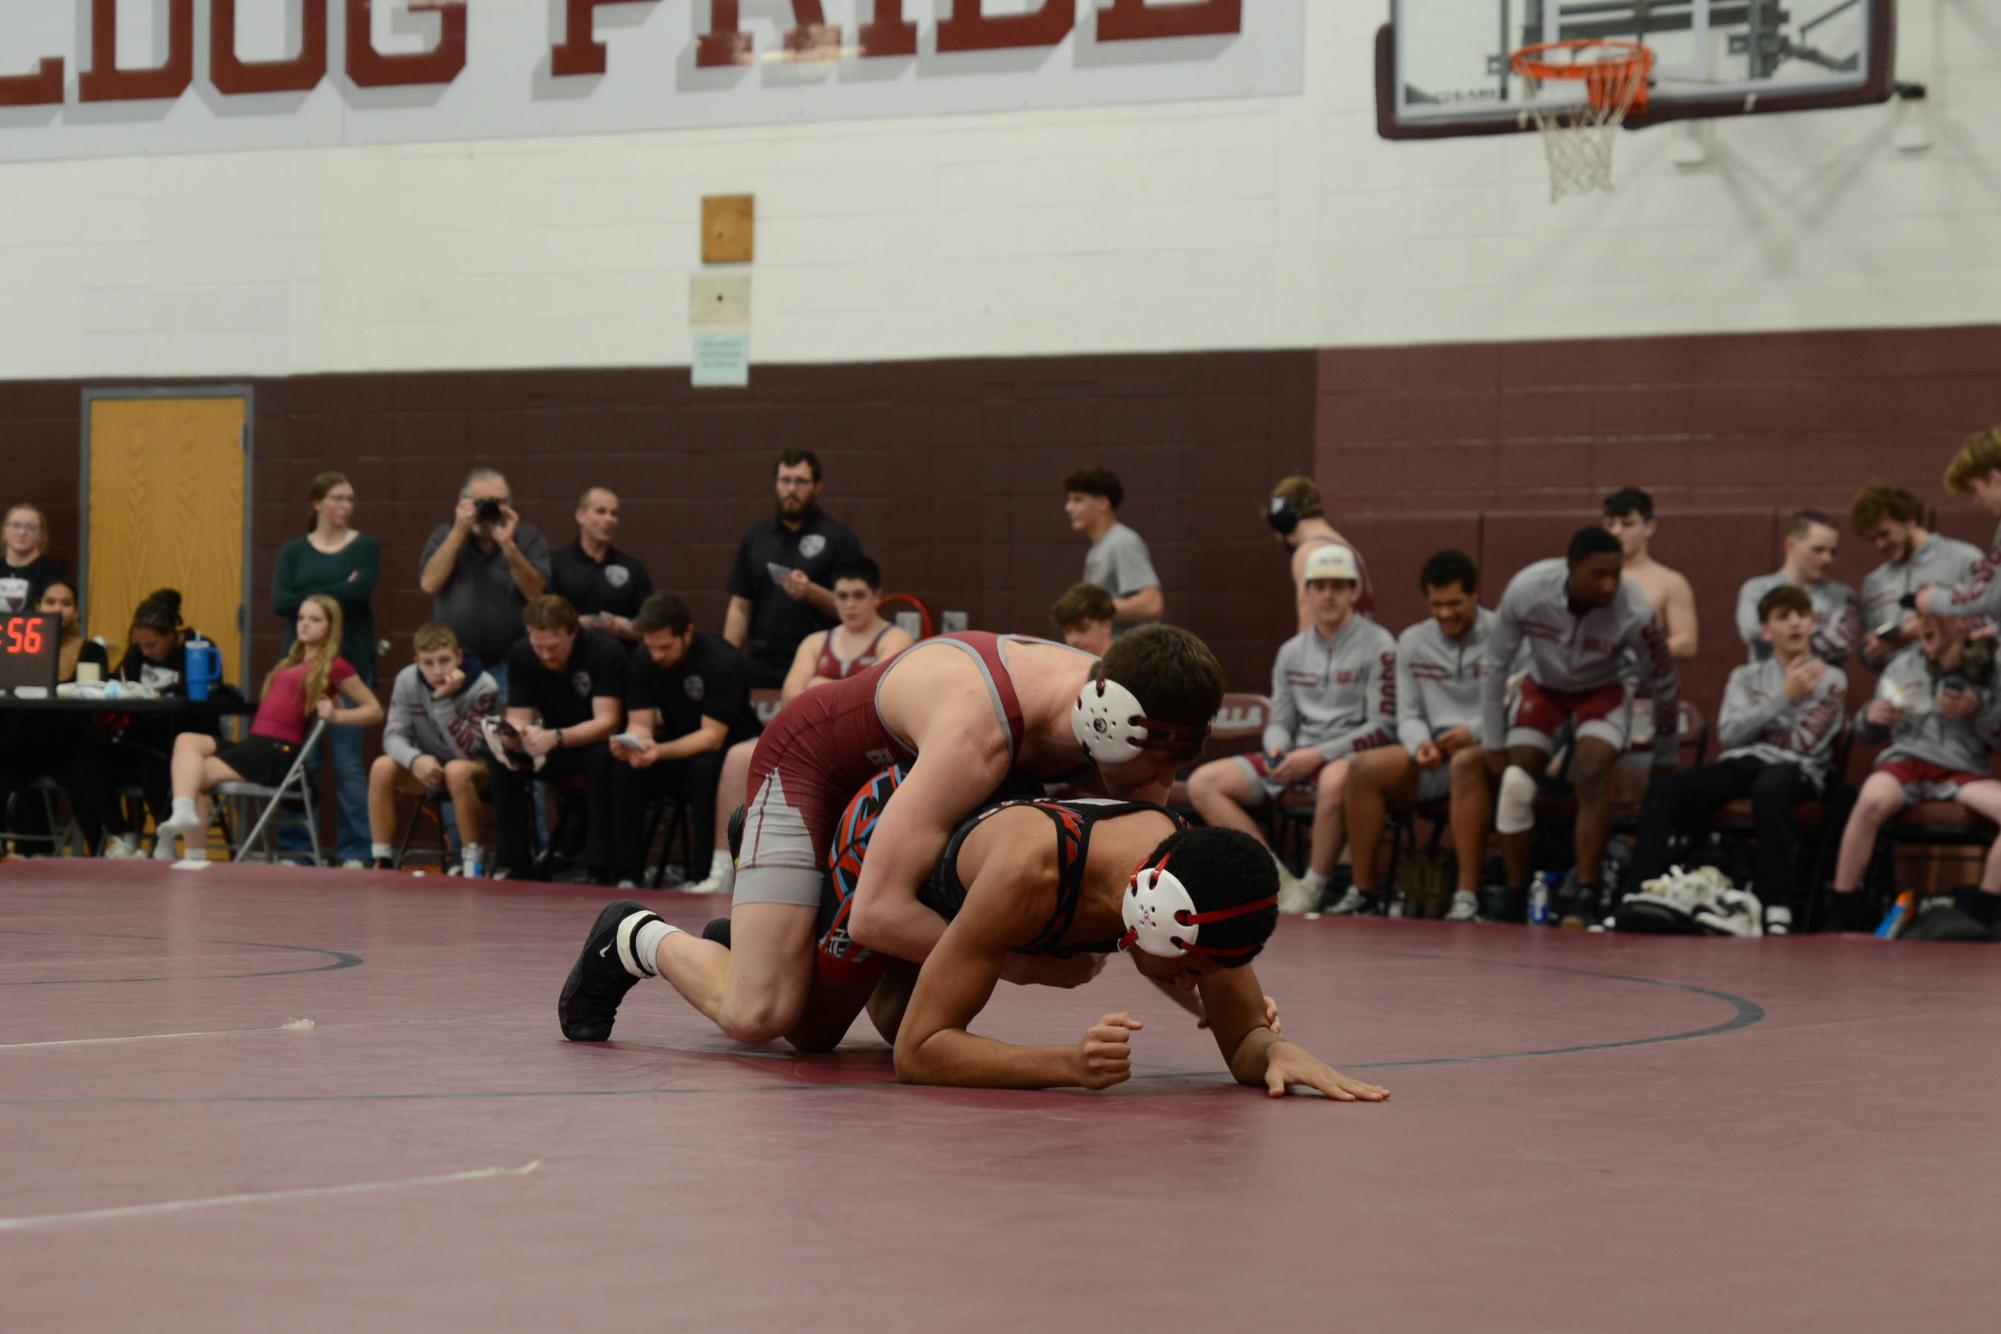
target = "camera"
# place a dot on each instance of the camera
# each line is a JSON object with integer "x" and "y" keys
{"x": 486, "y": 511}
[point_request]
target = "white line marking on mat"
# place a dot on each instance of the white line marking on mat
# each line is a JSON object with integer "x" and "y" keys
{"x": 263, "y": 1197}
{"x": 296, "y": 1026}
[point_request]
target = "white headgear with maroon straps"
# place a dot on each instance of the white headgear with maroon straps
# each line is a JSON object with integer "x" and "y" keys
{"x": 1110, "y": 725}
{"x": 1161, "y": 920}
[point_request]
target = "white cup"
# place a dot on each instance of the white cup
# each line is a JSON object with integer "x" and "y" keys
{"x": 88, "y": 674}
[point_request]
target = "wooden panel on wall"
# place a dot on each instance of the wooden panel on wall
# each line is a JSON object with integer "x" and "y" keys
{"x": 166, "y": 511}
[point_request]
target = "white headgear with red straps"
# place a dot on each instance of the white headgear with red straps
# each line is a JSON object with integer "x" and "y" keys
{"x": 1112, "y": 727}
{"x": 1161, "y": 920}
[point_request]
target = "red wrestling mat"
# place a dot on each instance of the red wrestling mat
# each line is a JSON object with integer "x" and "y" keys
{"x": 1588, "y": 1133}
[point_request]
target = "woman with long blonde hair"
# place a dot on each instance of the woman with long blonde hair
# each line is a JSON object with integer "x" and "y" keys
{"x": 306, "y": 683}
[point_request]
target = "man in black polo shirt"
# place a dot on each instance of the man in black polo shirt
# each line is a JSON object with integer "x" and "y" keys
{"x": 604, "y": 584}
{"x": 687, "y": 702}
{"x": 781, "y": 589}
{"x": 564, "y": 691}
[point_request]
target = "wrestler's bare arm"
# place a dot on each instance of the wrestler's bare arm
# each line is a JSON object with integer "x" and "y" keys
{"x": 1678, "y": 609}
{"x": 962, "y": 756}
{"x": 933, "y": 1045}
{"x": 1236, "y": 1006}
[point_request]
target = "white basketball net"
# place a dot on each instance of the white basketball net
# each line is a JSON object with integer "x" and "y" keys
{"x": 1577, "y": 136}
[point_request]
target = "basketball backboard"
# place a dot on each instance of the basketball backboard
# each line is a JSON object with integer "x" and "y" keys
{"x": 1442, "y": 65}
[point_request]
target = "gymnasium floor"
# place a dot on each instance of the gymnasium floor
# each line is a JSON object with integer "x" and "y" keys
{"x": 1588, "y": 1133}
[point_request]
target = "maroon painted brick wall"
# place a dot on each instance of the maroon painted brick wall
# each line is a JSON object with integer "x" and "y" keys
{"x": 1509, "y": 447}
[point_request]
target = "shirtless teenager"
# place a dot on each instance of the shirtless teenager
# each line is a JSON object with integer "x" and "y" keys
{"x": 1629, "y": 516}
{"x": 1297, "y": 516}
{"x": 964, "y": 711}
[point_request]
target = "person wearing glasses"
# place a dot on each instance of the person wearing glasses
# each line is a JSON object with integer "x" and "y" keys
{"x": 782, "y": 585}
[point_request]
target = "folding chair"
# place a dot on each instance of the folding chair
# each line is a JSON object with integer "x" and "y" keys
{"x": 295, "y": 786}
{"x": 672, "y": 812}
{"x": 59, "y": 835}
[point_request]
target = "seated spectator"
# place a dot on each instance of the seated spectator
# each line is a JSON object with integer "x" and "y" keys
{"x": 1083, "y": 616}
{"x": 1299, "y": 520}
{"x": 1975, "y": 472}
{"x": 1940, "y": 710}
{"x": 1914, "y": 557}
{"x": 1629, "y": 516}
{"x": 1811, "y": 539}
{"x": 432, "y": 742}
{"x": 861, "y": 640}
{"x": 38, "y": 745}
{"x": 28, "y": 568}
{"x": 342, "y": 562}
{"x": 1584, "y": 623}
{"x": 132, "y": 750}
{"x": 306, "y": 682}
{"x": 1118, "y": 560}
{"x": 604, "y": 584}
{"x": 1781, "y": 715}
{"x": 1441, "y": 662}
{"x": 482, "y": 568}
{"x": 565, "y": 697}
{"x": 781, "y": 587}
{"x": 1333, "y": 696}
{"x": 687, "y": 700}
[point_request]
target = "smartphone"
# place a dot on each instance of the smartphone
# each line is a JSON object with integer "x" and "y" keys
{"x": 632, "y": 740}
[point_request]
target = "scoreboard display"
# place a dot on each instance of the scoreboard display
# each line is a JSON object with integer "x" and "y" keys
{"x": 29, "y": 649}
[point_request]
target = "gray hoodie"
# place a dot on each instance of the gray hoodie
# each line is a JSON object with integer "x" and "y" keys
{"x": 1338, "y": 695}
{"x": 1572, "y": 653}
{"x": 1439, "y": 679}
{"x": 1837, "y": 618}
{"x": 1759, "y": 722}
{"x": 1945, "y": 561}
{"x": 445, "y": 729}
{"x": 1924, "y": 733}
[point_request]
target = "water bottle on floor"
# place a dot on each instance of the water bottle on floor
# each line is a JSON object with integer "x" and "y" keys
{"x": 1539, "y": 891}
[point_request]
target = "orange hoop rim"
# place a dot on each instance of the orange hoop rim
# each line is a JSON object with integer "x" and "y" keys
{"x": 1602, "y": 79}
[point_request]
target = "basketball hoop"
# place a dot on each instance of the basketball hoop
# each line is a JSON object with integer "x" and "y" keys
{"x": 1578, "y": 135}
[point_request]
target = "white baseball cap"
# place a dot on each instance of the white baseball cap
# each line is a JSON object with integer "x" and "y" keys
{"x": 1332, "y": 561}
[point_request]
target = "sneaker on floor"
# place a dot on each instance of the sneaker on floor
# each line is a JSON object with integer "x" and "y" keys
{"x": 1778, "y": 920}
{"x": 1353, "y": 903}
{"x": 1465, "y": 907}
{"x": 721, "y": 880}
{"x": 628, "y": 884}
{"x": 1295, "y": 895}
{"x": 589, "y": 1000}
{"x": 170, "y": 833}
{"x": 122, "y": 848}
{"x": 354, "y": 864}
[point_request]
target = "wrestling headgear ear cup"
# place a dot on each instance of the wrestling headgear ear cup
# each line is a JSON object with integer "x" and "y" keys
{"x": 1108, "y": 722}
{"x": 1282, "y": 517}
{"x": 1161, "y": 920}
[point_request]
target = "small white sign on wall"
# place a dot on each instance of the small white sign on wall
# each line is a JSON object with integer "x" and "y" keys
{"x": 721, "y": 359}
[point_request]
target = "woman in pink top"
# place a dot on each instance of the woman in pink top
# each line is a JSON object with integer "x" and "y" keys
{"x": 302, "y": 686}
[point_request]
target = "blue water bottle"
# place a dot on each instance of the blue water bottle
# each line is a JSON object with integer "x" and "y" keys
{"x": 1539, "y": 888}
{"x": 204, "y": 667}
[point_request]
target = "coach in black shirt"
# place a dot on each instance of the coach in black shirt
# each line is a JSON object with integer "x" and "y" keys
{"x": 573, "y": 681}
{"x": 687, "y": 701}
{"x": 604, "y": 584}
{"x": 781, "y": 589}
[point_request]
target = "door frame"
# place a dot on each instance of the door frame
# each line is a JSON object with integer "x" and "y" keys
{"x": 245, "y": 392}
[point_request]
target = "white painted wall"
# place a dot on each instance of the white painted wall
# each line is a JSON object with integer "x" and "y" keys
{"x": 1263, "y": 223}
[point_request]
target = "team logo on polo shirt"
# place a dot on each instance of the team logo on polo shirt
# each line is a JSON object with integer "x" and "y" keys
{"x": 581, "y": 683}
{"x": 695, "y": 688}
{"x": 812, "y": 545}
{"x": 617, "y": 575}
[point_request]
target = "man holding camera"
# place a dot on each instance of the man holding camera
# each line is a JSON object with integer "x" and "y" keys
{"x": 481, "y": 570}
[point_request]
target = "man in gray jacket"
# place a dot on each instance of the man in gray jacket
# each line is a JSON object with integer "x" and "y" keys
{"x": 1811, "y": 541}
{"x": 1940, "y": 710}
{"x": 1585, "y": 626}
{"x": 1780, "y": 719}
{"x": 1441, "y": 664}
{"x": 431, "y": 741}
{"x": 1333, "y": 695}
{"x": 1914, "y": 558}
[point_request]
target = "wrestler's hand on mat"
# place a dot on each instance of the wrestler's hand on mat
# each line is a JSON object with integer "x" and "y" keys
{"x": 1037, "y": 970}
{"x": 1286, "y": 1065}
{"x": 1105, "y": 1056}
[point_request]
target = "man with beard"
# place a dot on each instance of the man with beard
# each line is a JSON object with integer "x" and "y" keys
{"x": 781, "y": 588}
{"x": 1589, "y": 626}
{"x": 1889, "y": 518}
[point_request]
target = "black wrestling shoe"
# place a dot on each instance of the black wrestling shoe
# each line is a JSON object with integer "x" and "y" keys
{"x": 718, "y": 930}
{"x": 599, "y": 981}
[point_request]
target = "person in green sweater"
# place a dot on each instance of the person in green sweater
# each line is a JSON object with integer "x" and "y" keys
{"x": 335, "y": 560}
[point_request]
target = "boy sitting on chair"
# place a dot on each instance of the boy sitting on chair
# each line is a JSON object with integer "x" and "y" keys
{"x": 432, "y": 740}
{"x": 1941, "y": 713}
{"x": 1780, "y": 718}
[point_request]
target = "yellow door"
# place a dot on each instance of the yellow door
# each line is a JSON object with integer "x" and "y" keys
{"x": 165, "y": 510}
